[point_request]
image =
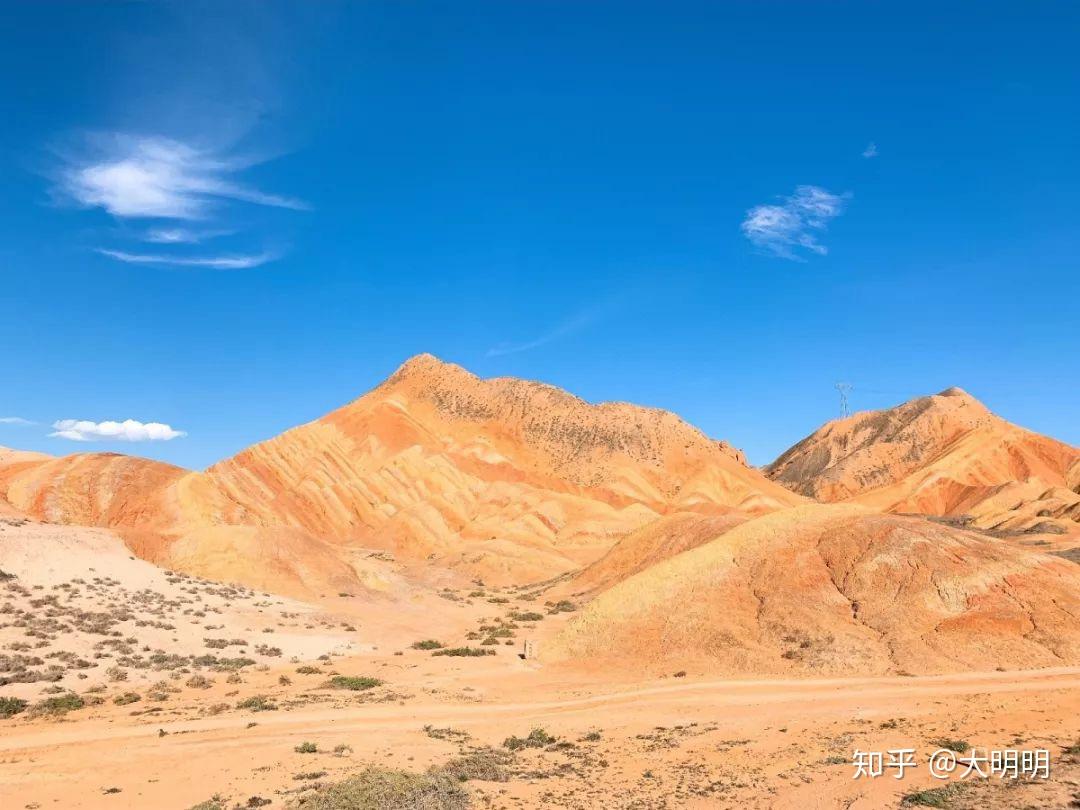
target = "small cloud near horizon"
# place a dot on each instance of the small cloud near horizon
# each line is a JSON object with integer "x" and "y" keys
{"x": 16, "y": 420}
{"x": 870, "y": 151}
{"x": 130, "y": 430}
{"x": 231, "y": 262}
{"x": 793, "y": 225}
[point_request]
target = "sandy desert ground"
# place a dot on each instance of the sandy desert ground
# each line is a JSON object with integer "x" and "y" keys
{"x": 537, "y": 734}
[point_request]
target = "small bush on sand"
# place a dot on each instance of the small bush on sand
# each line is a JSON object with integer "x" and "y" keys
{"x": 465, "y": 652}
{"x": 57, "y": 706}
{"x": 11, "y": 706}
{"x": 538, "y": 738}
{"x": 307, "y": 748}
{"x": 427, "y": 644}
{"x": 958, "y": 746}
{"x": 126, "y": 698}
{"x": 934, "y": 797}
{"x": 528, "y": 616}
{"x": 356, "y": 683}
{"x": 486, "y": 764}
{"x": 199, "y": 682}
{"x": 257, "y": 703}
{"x": 307, "y": 669}
{"x": 377, "y": 788}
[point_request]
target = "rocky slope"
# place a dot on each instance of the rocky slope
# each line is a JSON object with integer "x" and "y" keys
{"x": 837, "y": 589}
{"x": 941, "y": 455}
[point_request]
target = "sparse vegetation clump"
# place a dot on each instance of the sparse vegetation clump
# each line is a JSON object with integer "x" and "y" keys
{"x": 257, "y": 703}
{"x": 355, "y": 683}
{"x": 127, "y": 698}
{"x": 934, "y": 797}
{"x": 307, "y": 748}
{"x": 486, "y": 764}
{"x": 464, "y": 652}
{"x": 526, "y": 616}
{"x": 538, "y": 738}
{"x": 959, "y": 746}
{"x": 11, "y": 706}
{"x": 57, "y": 706}
{"x": 428, "y": 644}
{"x": 307, "y": 669}
{"x": 378, "y": 788}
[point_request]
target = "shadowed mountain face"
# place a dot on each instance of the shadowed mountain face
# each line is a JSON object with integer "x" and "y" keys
{"x": 502, "y": 478}
{"x": 940, "y": 455}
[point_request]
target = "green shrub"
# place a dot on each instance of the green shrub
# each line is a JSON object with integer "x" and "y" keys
{"x": 464, "y": 652}
{"x": 934, "y": 797}
{"x": 257, "y": 703}
{"x": 355, "y": 683}
{"x": 59, "y": 705}
{"x": 126, "y": 698}
{"x": 538, "y": 738}
{"x": 11, "y": 706}
{"x": 307, "y": 748}
{"x": 427, "y": 644}
{"x": 528, "y": 616}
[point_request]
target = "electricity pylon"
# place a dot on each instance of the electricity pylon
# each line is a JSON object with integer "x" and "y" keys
{"x": 844, "y": 388}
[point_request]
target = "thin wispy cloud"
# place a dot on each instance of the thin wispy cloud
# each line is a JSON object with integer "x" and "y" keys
{"x": 154, "y": 177}
{"x": 16, "y": 420}
{"x": 791, "y": 228}
{"x": 190, "y": 190}
{"x": 130, "y": 430}
{"x": 870, "y": 151}
{"x": 231, "y": 262}
{"x": 575, "y": 324}
{"x": 180, "y": 236}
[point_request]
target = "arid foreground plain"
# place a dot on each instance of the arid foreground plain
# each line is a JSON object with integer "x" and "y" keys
{"x": 455, "y": 592}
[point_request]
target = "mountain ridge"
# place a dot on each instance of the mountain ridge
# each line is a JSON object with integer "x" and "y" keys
{"x": 494, "y": 477}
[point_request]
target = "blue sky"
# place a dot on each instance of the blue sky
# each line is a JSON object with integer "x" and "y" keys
{"x": 222, "y": 220}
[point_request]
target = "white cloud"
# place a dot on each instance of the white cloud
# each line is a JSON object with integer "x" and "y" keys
{"x": 870, "y": 151}
{"x": 15, "y": 420}
{"x": 135, "y": 176}
{"x": 80, "y": 430}
{"x": 231, "y": 262}
{"x": 180, "y": 236}
{"x": 792, "y": 225}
